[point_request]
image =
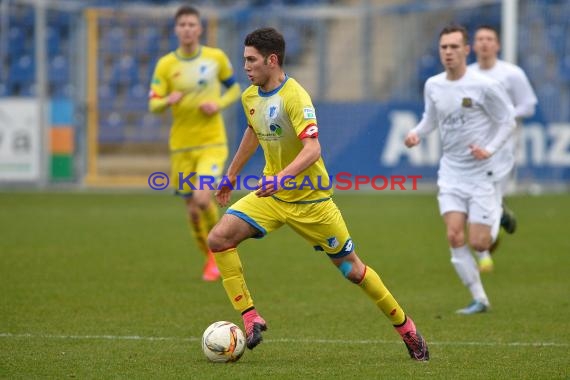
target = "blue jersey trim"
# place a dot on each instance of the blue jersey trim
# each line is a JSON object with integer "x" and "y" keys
{"x": 250, "y": 221}
{"x": 274, "y": 91}
{"x": 347, "y": 248}
{"x": 229, "y": 82}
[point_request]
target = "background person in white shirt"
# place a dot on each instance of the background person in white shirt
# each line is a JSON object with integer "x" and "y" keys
{"x": 486, "y": 47}
{"x": 475, "y": 118}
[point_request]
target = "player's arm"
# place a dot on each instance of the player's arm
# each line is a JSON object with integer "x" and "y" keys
{"x": 232, "y": 92}
{"x": 501, "y": 111}
{"x": 308, "y": 155}
{"x": 247, "y": 148}
{"x": 159, "y": 97}
{"x": 426, "y": 125}
{"x": 524, "y": 97}
{"x": 230, "y": 95}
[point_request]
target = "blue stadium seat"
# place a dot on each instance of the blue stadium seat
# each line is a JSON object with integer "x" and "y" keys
{"x": 53, "y": 41}
{"x": 111, "y": 127}
{"x": 148, "y": 127}
{"x": 565, "y": 68}
{"x": 172, "y": 42}
{"x": 22, "y": 69}
{"x": 137, "y": 98}
{"x": 16, "y": 41}
{"x": 148, "y": 41}
{"x": 28, "y": 89}
{"x": 428, "y": 66}
{"x": 107, "y": 96}
{"x": 125, "y": 71}
{"x": 294, "y": 37}
{"x": 58, "y": 70}
{"x": 62, "y": 91}
{"x": 114, "y": 40}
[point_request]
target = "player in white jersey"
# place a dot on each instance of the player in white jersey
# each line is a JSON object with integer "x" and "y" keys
{"x": 475, "y": 118}
{"x": 486, "y": 46}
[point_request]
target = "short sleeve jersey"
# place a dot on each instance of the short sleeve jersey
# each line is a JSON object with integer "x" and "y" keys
{"x": 199, "y": 77}
{"x": 280, "y": 119}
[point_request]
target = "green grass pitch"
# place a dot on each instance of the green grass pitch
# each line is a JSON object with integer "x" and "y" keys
{"x": 107, "y": 285}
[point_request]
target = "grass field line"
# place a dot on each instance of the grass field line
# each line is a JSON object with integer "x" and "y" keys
{"x": 281, "y": 340}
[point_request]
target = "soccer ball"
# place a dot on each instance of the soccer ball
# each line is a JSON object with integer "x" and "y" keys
{"x": 223, "y": 342}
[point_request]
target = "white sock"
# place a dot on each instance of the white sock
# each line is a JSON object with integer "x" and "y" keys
{"x": 466, "y": 269}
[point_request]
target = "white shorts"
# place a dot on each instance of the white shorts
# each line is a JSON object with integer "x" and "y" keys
{"x": 478, "y": 200}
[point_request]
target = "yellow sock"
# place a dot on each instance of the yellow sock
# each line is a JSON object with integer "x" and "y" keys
{"x": 211, "y": 216}
{"x": 230, "y": 267}
{"x": 374, "y": 287}
{"x": 200, "y": 233}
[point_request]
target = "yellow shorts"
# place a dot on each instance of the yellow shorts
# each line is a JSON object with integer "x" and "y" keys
{"x": 320, "y": 223}
{"x": 200, "y": 167}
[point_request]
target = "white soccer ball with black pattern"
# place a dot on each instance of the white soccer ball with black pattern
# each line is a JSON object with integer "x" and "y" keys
{"x": 223, "y": 342}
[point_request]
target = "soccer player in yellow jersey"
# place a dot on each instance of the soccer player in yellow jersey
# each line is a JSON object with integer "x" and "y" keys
{"x": 295, "y": 191}
{"x": 188, "y": 81}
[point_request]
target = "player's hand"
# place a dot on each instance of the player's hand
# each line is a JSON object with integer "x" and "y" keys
{"x": 174, "y": 97}
{"x": 479, "y": 153}
{"x": 269, "y": 186}
{"x": 209, "y": 108}
{"x": 224, "y": 192}
{"x": 412, "y": 139}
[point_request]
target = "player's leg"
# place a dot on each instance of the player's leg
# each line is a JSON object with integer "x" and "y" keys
{"x": 484, "y": 258}
{"x": 210, "y": 165}
{"x": 202, "y": 210}
{"x": 182, "y": 177}
{"x": 323, "y": 226}
{"x": 464, "y": 263}
{"x": 249, "y": 217}
{"x": 507, "y": 185}
{"x": 453, "y": 205}
{"x": 197, "y": 206}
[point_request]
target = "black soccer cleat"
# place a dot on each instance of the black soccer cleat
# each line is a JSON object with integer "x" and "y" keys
{"x": 416, "y": 345}
{"x": 508, "y": 220}
{"x": 253, "y": 335}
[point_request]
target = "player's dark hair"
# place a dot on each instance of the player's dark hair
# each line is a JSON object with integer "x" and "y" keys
{"x": 451, "y": 28}
{"x": 186, "y": 10}
{"x": 488, "y": 27}
{"x": 267, "y": 41}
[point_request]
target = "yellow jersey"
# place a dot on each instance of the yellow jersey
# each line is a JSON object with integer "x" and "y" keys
{"x": 281, "y": 118}
{"x": 199, "y": 77}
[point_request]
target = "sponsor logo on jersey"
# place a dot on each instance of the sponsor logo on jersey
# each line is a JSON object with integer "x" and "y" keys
{"x": 309, "y": 113}
{"x": 467, "y": 102}
{"x": 276, "y": 129}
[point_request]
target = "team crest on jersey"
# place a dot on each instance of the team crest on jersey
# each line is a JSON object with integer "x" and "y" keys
{"x": 251, "y": 111}
{"x": 332, "y": 242}
{"x": 467, "y": 103}
{"x": 273, "y": 111}
{"x": 309, "y": 113}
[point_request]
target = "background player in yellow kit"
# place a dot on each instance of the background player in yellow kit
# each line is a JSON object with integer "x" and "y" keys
{"x": 189, "y": 81}
{"x": 281, "y": 118}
